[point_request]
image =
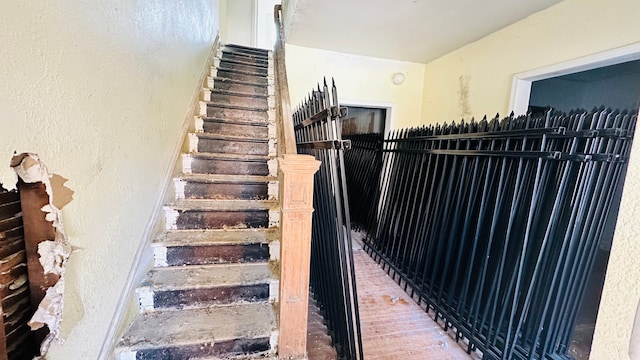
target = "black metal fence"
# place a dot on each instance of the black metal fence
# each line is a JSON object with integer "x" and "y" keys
{"x": 363, "y": 166}
{"x": 333, "y": 281}
{"x": 494, "y": 225}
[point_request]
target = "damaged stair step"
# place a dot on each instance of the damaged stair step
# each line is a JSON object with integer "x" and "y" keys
{"x": 218, "y": 331}
{"x": 237, "y": 105}
{"x": 246, "y": 67}
{"x": 219, "y": 83}
{"x": 235, "y": 113}
{"x": 223, "y": 205}
{"x": 246, "y": 187}
{"x": 244, "y": 57}
{"x": 220, "y": 214}
{"x": 215, "y": 246}
{"x": 258, "y": 130}
{"x": 244, "y": 47}
{"x": 230, "y": 144}
{"x": 204, "y": 285}
{"x": 245, "y": 51}
{"x": 228, "y": 164}
{"x": 260, "y": 65}
{"x": 240, "y": 75}
{"x": 229, "y": 53}
{"x": 238, "y": 100}
{"x": 216, "y": 237}
{"x": 260, "y": 99}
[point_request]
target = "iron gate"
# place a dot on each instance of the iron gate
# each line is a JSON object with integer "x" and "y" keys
{"x": 494, "y": 225}
{"x": 318, "y": 133}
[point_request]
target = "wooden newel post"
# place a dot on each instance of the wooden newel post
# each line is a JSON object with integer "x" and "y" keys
{"x": 296, "y": 189}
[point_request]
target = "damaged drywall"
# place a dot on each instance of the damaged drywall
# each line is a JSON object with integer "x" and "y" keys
{"x": 53, "y": 253}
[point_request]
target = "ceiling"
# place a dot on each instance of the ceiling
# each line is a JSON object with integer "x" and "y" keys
{"x": 411, "y": 30}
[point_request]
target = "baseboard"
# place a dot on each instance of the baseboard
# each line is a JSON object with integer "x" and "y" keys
{"x": 143, "y": 258}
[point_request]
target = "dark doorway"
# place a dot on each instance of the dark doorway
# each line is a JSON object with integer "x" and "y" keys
{"x": 617, "y": 87}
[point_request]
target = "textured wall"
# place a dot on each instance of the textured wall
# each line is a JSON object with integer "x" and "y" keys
{"x": 477, "y": 79}
{"x": 100, "y": 90}
{"x": 362, "y": 79}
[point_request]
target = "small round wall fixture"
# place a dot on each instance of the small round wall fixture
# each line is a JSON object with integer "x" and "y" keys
{"x": 398, "y": 78}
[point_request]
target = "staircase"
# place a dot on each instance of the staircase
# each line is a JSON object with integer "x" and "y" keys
{"x": 212, "y": 290}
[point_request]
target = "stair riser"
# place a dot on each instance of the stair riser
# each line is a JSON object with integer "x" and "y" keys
{"x": 222, "y": 219}
{"x": 220, "y": 349}
{"x": 233, "y": 147}
{"x": 263, "y": 55}
{"x": 252, "y": 131}
{"x": 262, "y": 61}
{"x": 237, "y": 100}
{"x": 225, "y": 167}
{"x": 215, "y": 254}
{"x": 259, "y": 70}
{"x": 226, "y": 191}
{"x": 177, "y": 299}
{"x": 259, "y": 65}
{"x": 255, "y": 79}
{"x": 248, "y": 89}
{"x": 237, "y": 114}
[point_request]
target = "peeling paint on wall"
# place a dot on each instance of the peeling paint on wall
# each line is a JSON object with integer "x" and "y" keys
{"x": 53, "y": 252}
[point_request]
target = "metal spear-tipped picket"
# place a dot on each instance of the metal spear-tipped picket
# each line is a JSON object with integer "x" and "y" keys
{"x": 495, "y": 225}
{"x": 318, "y": 133}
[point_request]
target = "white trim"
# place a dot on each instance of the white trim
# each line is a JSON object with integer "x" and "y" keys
{"x": 144, "y": 254}
{"x": 521, "y": 87}
{"x": 389, "y": 121}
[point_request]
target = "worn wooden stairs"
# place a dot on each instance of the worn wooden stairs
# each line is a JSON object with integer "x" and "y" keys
{"x": 213, "y": 288}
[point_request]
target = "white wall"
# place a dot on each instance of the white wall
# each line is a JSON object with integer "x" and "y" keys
{"x": 239, "y": 23}
{"x": 100, "y": 91}
{"x": 361, "y": 81}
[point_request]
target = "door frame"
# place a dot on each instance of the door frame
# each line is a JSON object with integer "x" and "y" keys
{"x": 521, "y": 86}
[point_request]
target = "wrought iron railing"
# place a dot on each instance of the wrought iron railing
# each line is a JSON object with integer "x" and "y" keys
{"x": 318, "y": 133}
{"x": 494, "y": 225}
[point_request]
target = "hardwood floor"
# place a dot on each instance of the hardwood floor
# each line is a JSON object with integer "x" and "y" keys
{"x": 393, "y": 325}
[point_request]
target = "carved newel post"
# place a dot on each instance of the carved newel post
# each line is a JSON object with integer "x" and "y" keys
{"x": 296, "y": 189}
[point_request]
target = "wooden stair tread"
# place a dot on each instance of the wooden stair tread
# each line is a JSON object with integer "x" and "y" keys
{"x": 237, "y": 81}
{"x": 235, "y": 107}
{"x": 197, "y": 326}
{"x": 241, "y": 72}
{"x": 238, "y": 93}
{"x": 259, "y": 65}
{"x": 215, "y": 136}
{"x": 221, "y": 205}
{"x": 208, "y": 276}
{"x": 222, "y": 179}
{"x": 226, "y": 156}
{"x": 234, "y": 121}
{"x": 216, "y": 237}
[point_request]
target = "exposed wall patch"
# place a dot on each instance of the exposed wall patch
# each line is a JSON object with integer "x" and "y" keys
{"x": 53, "y": 252}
